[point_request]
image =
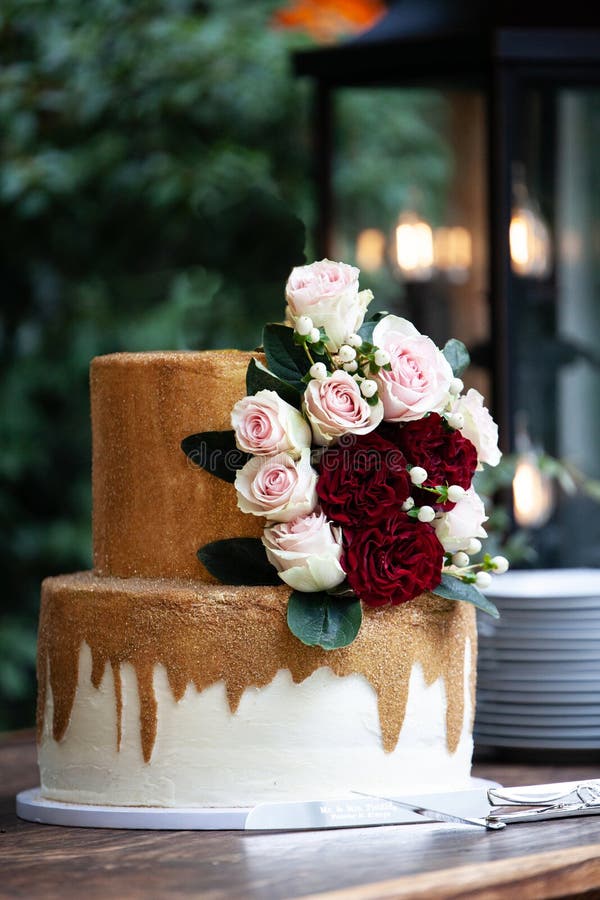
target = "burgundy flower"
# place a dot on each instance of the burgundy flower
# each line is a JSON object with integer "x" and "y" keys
{"x": 446, "y": 455}
{"x": 362, "y": 479}
{"x": 393, "y": 560}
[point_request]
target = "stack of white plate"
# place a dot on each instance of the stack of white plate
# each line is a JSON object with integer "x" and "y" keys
{"x": 539, "y": 664}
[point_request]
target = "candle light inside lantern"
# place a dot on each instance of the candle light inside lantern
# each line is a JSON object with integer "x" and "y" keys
{"x": 370, "y": 249}
{"x": 529, "y": 236}
{"x": 453, "y": 252}
{"x": 414, "y": 247}
{"x": 533, "y": 497}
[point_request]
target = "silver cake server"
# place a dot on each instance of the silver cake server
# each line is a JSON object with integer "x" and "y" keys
{"x": 437, "y": 815}
{"x": 361, "y": 810}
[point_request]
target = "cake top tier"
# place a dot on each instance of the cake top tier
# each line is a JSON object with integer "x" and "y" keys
{"x": 153, "y": 509}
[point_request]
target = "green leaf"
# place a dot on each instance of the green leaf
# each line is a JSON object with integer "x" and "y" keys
{"x": 452, "y": 588}
{"x": 367, "y": 328}
{"x": 215, "y": 451}
{"x": 239, "y": 561}
{"x": 285, "y": 359}
{"x": 258, "y": 378}
{"x": 457, "y": 355}
{"x": 320, "y": 620}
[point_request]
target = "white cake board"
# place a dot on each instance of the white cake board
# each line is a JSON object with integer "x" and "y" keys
{"x": 33, "y": 808}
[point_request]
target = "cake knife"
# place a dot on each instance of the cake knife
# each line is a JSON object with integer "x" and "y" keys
{"x": 494, "y": 823}
{"x": 362, "y": 810}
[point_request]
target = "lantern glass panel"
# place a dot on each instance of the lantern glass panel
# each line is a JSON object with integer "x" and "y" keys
{"x": 410, "y": 208}
{"x": 554, "y": 303}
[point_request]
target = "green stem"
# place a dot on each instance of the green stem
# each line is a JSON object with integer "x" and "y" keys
{"x": 308, "y": 353}
{"x": 330, "y": 358}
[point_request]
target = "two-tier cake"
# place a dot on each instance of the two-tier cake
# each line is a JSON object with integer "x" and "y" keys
{"x": 159, "y": 686}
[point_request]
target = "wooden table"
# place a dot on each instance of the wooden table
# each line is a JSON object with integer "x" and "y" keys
{"x": 550, "y": 859}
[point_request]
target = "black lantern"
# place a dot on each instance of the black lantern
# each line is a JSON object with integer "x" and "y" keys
{"x": 512, "y": 263}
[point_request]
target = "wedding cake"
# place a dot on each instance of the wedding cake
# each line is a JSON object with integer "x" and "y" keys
{"x": 283, "y": 598}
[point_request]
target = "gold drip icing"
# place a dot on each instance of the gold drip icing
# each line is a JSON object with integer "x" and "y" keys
{"x": 204, "y": 633}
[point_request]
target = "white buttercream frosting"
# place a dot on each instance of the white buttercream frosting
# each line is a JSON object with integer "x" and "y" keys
{"x": 313, "y": 740}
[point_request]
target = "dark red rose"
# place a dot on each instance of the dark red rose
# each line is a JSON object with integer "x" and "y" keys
{"x": 393, "y": 560}
{"x": 362, "y": 479}
{"x": 447, "y": 456}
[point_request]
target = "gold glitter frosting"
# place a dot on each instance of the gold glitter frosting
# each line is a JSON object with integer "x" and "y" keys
{"x": 202, "y": 633}
{"x": 153, "y": 509}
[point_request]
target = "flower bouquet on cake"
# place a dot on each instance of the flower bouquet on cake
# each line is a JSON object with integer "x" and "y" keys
{"x": 358, "y": 446}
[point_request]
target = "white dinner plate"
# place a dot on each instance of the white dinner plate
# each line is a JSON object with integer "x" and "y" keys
{"x": 544, "y": 583}
{"x": 531, "y": 655}
{"x": 539, "y": 731}
{"x": 558, "y": 722}
{"x": 518, "y": 743}
{"x": 523, "y": 674}
{"x": 559, "y": 698}
{"x": 539, "y": 643}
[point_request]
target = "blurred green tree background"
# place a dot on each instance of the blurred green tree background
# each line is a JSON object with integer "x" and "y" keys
{"x": 154, "y": 187}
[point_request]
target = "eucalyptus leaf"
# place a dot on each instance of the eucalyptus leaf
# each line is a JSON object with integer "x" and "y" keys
{"x": 452, "y": 588}
{"x": 239, "y": 561}
{"x": 258, "y": 378}
{"x": 320, "y": 620}
{"x": 367, "y": 328}
{"x": 285, "y": 358}
{"x": 457, "y": 355}
{"x": 215, "y": 451}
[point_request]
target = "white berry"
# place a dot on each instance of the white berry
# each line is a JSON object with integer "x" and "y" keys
{"x": 368, "y": 388}
{"x": 483, "y": 579}
{"x": 314, "y": 335}
{"x": 318, "y": 371}
{"x": 456, "y": 386}
{"x": 354, "y": 340}
{"x": 346, "y": 353}
{"x": 460, "y": 559}
{"x": 351, "y": 366}
{"x": 455, "y": 420}
{"x": 304, "y": 325}
{"x": 474, "y": 546}
{"x": 500, "y": 564}
{"x": 426, "y": 514}
{"x": 455, "y": 493}
{"x": 382, "y": 357}
{"x": 408, "y": 504}
{"x": 418, "y": 475}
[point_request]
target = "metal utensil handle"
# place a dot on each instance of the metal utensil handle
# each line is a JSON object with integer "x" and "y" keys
{"x": 584, "y": 791}
{"x": 544, "y": 813}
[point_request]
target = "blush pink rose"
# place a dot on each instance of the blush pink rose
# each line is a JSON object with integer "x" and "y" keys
{"x": 277, "y": 487}
{"x": 420, "y": 376}
{"x": 328, "y": 292}
{"x": 306, "y": 552}
{"x": 455, "y": 529}
{"x": 264, "y": 425}
{"x": 479, "y": 427}
{"x": 336, "y": 406}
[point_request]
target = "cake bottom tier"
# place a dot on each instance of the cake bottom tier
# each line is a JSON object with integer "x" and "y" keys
{"x": 170, "y": 693}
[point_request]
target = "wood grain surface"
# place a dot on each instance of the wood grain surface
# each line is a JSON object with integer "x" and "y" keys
{"x": 437, "y": 862}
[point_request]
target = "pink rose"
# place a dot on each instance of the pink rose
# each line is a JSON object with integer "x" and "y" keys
{"x": 277, "y": 487}
{"x": 336, "y": 406}
{"x": 328, "y": 292}
{"x": 264, "y": 424}
{"x": 456, "y": 528}
{"x": 420, "y": 376}
{"x": 306, "y": 552}
{"x": 479, "y": 427}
